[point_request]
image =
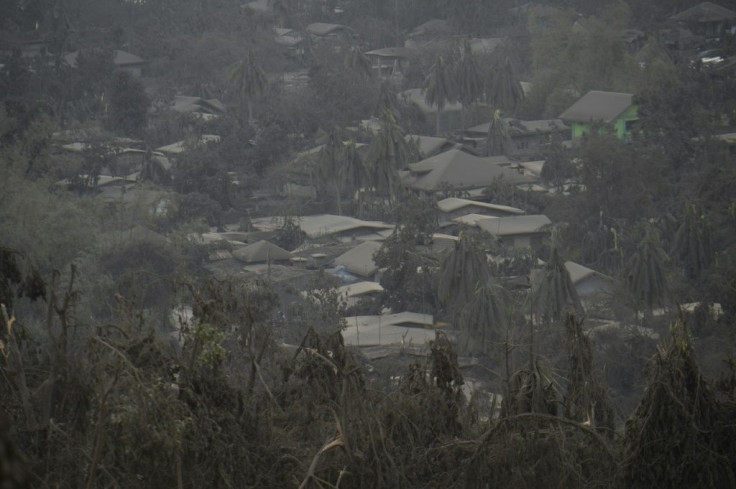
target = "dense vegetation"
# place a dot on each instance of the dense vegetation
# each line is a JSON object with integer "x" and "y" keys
{"x": 108, "y": 381}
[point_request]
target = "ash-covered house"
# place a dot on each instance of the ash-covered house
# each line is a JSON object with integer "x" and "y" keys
{"x": 338, "y": 228}
{"x": 391, "y": 62}
{"x": 458, "y": 171}
{"x": 428, "y": 146}
{"x": 526, "y": 231}
{"x": 613, "y": 109}
{"x": 590, "y": 284}
{"x": 453, "y": 207}
{"x": 709, "y": 21}
{"x": 122, "y": 60}
{"x": 334, "y": 33}
{"x": 527, "y": 138}
{"x": 262, "y": 252}
{"x": 359, "y": 260}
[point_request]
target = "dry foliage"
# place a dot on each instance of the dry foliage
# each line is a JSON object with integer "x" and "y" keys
{"x": 122, "y": 405}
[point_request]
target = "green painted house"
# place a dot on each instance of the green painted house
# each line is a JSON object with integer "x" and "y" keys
{"x": 596, "y": 107}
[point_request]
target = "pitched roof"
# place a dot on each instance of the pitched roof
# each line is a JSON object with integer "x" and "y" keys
{"x": 471, "y": 219}
{"x": 433, "y": 27}
{"x": 120, "y": 58}
{"x": 181, "y": 146}
{"x": 510, "y": 226}
{"x": 322, "y": 224}
{"x": 597, "y": 105}
{"x": 705, "y": 12}
{"x": 579, "y": 272}
{"x": 427, "y": 145}
{"x": 400, "y": 328}
{"x": 393, "y": 52}
{"x": 261, "y": 251}
{"x": 359, "y": 288}
{"x": 451, "y": 204}
{"x": 518, "y": 127}
{"x": 184, "y": 104}
{"x": 460, "y": 170}
{"x": 359, "y": 260}
{"x": 486, "y": 45}
{"x": 259, "y": 5}
{"x": 289, "y": 40}
{"x": 325, "y": 29}
{"x": 533, "y": 167}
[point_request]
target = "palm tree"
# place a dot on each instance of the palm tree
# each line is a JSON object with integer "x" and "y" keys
{"x": 359, "y": 62}
{"x": 387, "y": 153}
{"x": 439, "y": 89}
{"x": 503, "y": 88}
{"x": 468, "y": 79}
{"x": 462, "y": 272}
{"x": 329, "y": 168}
{"x": 387, "y": 98}
{"x": 353, "y": 172}
{"x": 485, "y": 316}
{"x": 249, "y": 81}
{"x": 692, "y": 244}
{"x": 645, "y": 274}
{"x": 553, "y": 294}
{"x": 497, "y": 139}
{"x": 678, "y": 395}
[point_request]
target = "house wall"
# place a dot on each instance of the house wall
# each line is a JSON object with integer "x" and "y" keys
{"x": 620, "y": 124}
{"x": 578, "y": 129}
{"x": 529, "y": 240}
{"x": 709, "y": 30}
{"x": 528, "y": 144}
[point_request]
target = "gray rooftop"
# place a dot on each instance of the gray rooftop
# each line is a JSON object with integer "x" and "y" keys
{"x": 359, "y": 260}
{"x": 427, "y": 145}
{"x": 261, "y": 251}
{"x": 705, "y": 12}
{"x": 393, "y": 52}
{"x": 452, "y": 204}
{"x": 460, "y": 170}
{"x": 401, "y": 328}
{"x": 120, "y": 58}
{"x": 518, "y": 127}
{"x": 323, "y": 224}
{"x": 325, "y": 29}
{"x": 509, "y": 226}
{"x": 597, "y": 105}
{"x": 580, "y": 272}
